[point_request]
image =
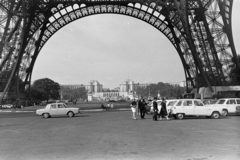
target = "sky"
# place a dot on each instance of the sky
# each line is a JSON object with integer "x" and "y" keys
{"x": 112, "y": 48}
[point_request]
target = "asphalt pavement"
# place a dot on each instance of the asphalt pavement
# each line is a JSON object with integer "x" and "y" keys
{"x": 85, "y": 107}
{"x": 114, "y": 135}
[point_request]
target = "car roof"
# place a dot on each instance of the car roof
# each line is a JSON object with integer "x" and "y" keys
{"x": 229, "y": 98}
{"x": 55, "y": 103}
{"x": 172, "y": 99}
{"x": 190, "y": 99}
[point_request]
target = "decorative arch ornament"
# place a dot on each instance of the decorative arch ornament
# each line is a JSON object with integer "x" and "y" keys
{"x": 200, "y": 31}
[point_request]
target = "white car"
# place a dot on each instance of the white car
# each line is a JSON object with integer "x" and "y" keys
{"x": 57, "y": 109}
{"x": 7, "y": 106}
{"x": 228, "y": 105}
{"x": 150, "y": 106}
{"x": 194, "y": 107}
{"x": 169, "y": 105}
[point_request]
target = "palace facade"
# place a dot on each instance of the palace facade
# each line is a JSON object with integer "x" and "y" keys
{"x": 96, "y": 91}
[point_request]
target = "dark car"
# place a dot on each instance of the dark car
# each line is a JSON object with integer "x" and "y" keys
{"x": 111, "y": 100}
{"x": 122, "y": 100}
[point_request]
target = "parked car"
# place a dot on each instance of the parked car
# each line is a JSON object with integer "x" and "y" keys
{"x": 194, "y": 107}
{"x": 149, "y": 107}
{"x": 57, "y": 109}
{"x": 122, "y": 100}
{"x": 112, "y": 100}
{"x": 228, "y": 105}
{"x": 6, "y": 106}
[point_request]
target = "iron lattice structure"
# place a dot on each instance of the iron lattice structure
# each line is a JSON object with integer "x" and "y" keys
{"x": 200, "y": 30}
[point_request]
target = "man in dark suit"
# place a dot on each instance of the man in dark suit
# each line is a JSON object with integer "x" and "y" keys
{"x": 155, "y": 109}
{"x": 141, "y": 106}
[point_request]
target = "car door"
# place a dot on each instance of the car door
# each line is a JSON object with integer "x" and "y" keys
{"x": 53, "y": 109}
{"x": 178, "y": 107}
{"x": 199, "y": 108}
{"x": 188, "y": 108}
{"x": 61, "y": 109}
{"x": 231, "y": 105}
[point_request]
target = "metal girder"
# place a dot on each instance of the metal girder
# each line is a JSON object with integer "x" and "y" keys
{"x": 200, "y": 30}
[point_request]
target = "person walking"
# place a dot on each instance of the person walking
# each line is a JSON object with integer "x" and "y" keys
{"x": 111, "y": 106}
{"x": 134, "y": 108}
{"x": 103, "y": 107}
{"x": 108, "y": 106}
{"x": 155, "y": 109}
{"x": 163, "y": 111}
{"x": 137, "y": 109}
{"x": 141, "y": 107}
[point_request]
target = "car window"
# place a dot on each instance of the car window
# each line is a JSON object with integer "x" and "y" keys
{"x": 238, "y": 101}
{"x": 187, "y": 103}
{"x": 60, "y": 106}
{"x": 232, "y": 101}
{"x": 53, "y": 106}
{"x": 179, "y": 103}
{"x": 221, "y": 101}
{"x": 206, "y": 102}
{"x": 198, "y": 103}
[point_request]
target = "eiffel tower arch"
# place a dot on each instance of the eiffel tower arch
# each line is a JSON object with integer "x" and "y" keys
{"x": 200, "y": 31}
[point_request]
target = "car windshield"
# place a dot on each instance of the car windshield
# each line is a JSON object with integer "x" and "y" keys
{"x": 213, "y": 101}
{"x": 179, "y": 103}
{"x": 221, "y": 101}
{"x": 61, "y": 105}
{"x": 171, "y": 103}
{"x": 47, "y": 106}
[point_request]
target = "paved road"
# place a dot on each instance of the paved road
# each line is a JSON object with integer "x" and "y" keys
{"x": 114, "y": 135}
{"x": 82, "y": 105}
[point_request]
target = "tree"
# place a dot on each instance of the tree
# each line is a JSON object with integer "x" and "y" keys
{"x": 45, "y": 89}
{"x": 165, "y": 90}
{"x": 74, "y": 93}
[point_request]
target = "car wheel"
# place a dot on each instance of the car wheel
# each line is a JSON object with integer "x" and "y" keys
{"x": 45, "y": 115}
{"x": 180, "y": 116}
{"x": 224, "y": 112}
{"x": 70, "y": 114}
{"x": 215, "y": 115}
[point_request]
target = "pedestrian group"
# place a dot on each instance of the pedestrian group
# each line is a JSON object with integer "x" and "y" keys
{"x": 139, "y": 108}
